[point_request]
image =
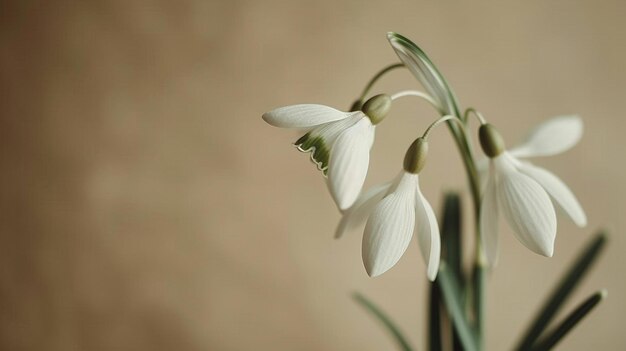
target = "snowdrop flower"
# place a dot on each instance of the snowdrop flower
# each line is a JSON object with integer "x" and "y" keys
{"x": 524, "y": 192}
{"x": 339, "y": 142}
{"x": 397, "y": 209}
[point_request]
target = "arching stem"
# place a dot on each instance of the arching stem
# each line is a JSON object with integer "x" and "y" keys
{"x": 378, "y": 75}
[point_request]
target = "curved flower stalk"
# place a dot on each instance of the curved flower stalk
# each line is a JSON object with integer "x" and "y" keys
{"x": 423, "y": 69}
{"x": 339, "y": 142}
{"x": 524, "y": 192}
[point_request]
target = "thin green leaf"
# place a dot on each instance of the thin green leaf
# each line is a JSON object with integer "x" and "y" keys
{"x": 570, "y": 322}
{"x": 382, "y": 317}
{"x": 451, "y": 233}
{"x": 434, "y": 323}
{"x": 452, "y": 297}
{"x": 563, "y": 290}
{"x": 452, "y": 243}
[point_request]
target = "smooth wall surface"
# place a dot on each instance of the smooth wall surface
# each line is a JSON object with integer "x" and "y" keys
{"x": 146, "y": 206}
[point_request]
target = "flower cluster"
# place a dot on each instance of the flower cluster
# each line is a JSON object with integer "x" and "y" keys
{"x": 340, "y": 142}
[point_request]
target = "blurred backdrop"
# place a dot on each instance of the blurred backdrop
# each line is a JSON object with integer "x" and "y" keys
{"x": 144, "y": 204}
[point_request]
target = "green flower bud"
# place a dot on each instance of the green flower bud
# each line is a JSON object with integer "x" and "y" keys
{"x": 377, "y": 108}
{"x": 490, "y": 140}
{"x": 415, "y": 157}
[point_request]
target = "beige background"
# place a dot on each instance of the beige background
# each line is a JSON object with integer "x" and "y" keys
{"x": 146, "y": 206}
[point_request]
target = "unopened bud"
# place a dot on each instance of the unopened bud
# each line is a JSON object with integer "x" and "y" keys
{"x": 377, "y": 108}
{"x": 490, "y": 140}
{"x": 415, "y": 157}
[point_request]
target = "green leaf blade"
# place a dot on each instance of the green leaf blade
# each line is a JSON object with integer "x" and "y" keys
{"x": 570, "y": 322}
{"x": 452, "y": 252}
{"x": 434, "y": 320}
{"x": 451, "y": 233}
{"x": 402, "y": 342}
{"x": 563, "y": 290}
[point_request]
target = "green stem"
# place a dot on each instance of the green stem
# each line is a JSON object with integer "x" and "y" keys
{"x": 476, "y": 113}
{"x": 470, "y": 165}
{"x": 480, "y": 270}
{"x": 451, "y": 294}
{"x": 478, "y": 284}
{"x": 479, "y": 279}
{"x": 374, "y": 79}
{"x": 451, "y": 107}
{"x": 458, "y": 133}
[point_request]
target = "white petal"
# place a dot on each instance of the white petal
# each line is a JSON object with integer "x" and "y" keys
{"x": 363, "y": 206}
{"x": 427, "y": 234}
{"x": 303, "y": 116}
{"x": 558, "y": 191}
{"x": 389, "y": 229}
{"x": 349, "y": 160}
{"x": 551, "y": 137}
{"x": 489, "y": 217}
{"x": 330, "y": 131}
{"x": 526, "y": 206}
{"x": 417, "y": 62}
{"x": 482, "y": 165}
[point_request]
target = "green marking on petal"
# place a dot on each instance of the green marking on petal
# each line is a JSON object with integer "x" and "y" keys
{"x": 318, "y": 149}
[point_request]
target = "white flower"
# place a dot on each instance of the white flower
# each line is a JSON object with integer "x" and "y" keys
{"x": 395, "y": 211}
{"x": 339, "y": 142}
{"x": 524, "y": 192}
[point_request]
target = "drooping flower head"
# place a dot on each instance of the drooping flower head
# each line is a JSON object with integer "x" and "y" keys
{"x": 395, "y": 211}
{"x": 339, "y": 142}
{"x": 524, "y": 192}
